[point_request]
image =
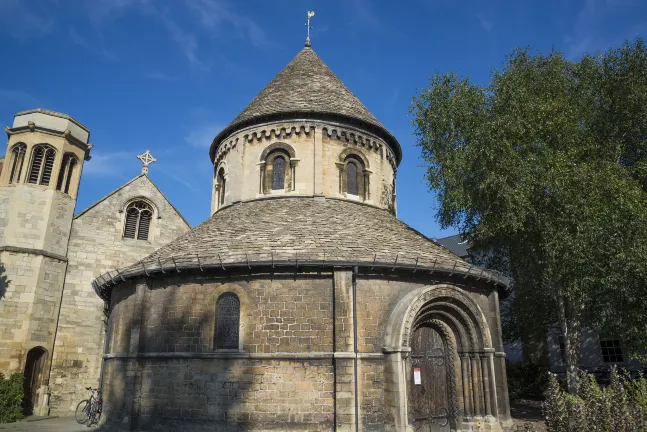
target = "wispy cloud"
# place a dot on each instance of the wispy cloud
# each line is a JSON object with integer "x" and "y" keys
{"x": 588, "y": 29}
{"x": 110, "y": 164}
{"x": 202, "y": 136}
{"x": 23, "y": 20}
{"x": 485, "y": 23}
{"x": 365, "y": 15}
{"x": 215, "y": 14}
{"x": 19, "y": 99}
{"x": 159, "y": 76}
{"x": 77, "y": 39}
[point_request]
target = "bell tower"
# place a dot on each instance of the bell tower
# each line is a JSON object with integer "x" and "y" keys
{"x": 38, "y": 189}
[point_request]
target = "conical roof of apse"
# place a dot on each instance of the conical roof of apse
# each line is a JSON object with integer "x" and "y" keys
{"x": 306, "y": 87}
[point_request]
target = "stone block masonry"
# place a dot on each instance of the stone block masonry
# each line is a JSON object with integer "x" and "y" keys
{"x": 97, "y": 245}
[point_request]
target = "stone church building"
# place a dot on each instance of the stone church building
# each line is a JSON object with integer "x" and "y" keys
{"x": 302, "y": 303}
{"x": 52, "y": 324}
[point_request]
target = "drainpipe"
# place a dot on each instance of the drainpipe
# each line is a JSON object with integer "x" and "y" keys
{"x": 355, "y": 347}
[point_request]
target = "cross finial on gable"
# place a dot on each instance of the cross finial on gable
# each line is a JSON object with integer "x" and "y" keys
{"x": 147, "y": 159}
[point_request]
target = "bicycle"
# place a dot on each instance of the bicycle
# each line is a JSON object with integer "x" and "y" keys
{"x": 88, "y": 411}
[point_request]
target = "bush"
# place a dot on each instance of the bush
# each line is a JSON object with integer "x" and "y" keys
{"x": 526, "y": 380}
{"x": 11, "y": 394}
{"x": 619, "y": 407}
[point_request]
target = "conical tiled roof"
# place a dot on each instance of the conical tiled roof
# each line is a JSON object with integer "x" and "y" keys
{"x": 306, "y": 86}
{"x": 300, "y": 232}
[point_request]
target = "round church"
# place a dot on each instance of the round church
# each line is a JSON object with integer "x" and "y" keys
{"x": 303, "y": 303}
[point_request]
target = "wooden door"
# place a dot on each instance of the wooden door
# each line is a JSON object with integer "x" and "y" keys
{"x": 33, "y": 376}
{"x": 428, "y": 384}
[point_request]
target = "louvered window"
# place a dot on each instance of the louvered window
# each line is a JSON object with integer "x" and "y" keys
{"x": 42, "y": 164}
{"x": 65, "y": 174}
{"x": 17, "y": 161}
{"x": 351, "y": 179}
{"x": 138, "y": 220}
{"x": 278, "y": 173}
{"x": 227, "y": 321}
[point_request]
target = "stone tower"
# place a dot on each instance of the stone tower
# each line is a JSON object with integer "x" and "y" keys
{"x": 38, "y": 190}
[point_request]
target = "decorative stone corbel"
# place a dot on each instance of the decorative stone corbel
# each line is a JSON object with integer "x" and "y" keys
{"x": 31, "y": 125}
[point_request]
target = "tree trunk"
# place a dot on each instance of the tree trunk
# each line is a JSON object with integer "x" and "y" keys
{"x": 570, "y": 332}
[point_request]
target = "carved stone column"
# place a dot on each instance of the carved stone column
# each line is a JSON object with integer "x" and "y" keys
{"x": 261, "y": 184}
{"x": 486, "y": 386}
{"x": 467, "y": 392}
{"x": 476, "y": 385}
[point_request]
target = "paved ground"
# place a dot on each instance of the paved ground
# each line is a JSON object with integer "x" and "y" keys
{"x": 527, "y": 418}
{"x": 62, "y": 424}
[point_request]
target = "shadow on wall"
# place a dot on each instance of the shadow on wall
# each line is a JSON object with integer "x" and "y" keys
{"x": 4, "y": 282}
{"x": 173, "y": 391}
{"x": 228, "y": 394}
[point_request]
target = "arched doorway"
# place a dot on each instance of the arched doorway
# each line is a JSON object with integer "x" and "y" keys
{"x": 429, "y": 395}
{"x": 424, "y": 325}
{"x": 34, "y": 366}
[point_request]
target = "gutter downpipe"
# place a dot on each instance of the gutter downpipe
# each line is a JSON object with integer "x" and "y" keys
{"x": 355, "y": 359}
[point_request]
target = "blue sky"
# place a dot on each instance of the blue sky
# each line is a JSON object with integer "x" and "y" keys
{"x": 169, "y": 75}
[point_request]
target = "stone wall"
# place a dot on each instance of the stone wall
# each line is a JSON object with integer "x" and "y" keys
{"x": 97, "y": 245}
{"x": 295, "y": 369}
{"x": 318, "y": 147}
{"x": 30, "y": 299}
{"x": 222, "y": 394}
{"x": 34, "y": 230}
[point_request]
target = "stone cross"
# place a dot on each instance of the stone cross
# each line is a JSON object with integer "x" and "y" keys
{"x": 147, "y": 159}
{"x": 310, "y": 15}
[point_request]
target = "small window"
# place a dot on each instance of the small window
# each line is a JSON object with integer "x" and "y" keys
{"x": 221, "y": 186}
{"x": 611, "y": 351}
{"x": 42, "y": 164}
{"x": 278, "y": 173}
{"x": 17, "y": 161}
{"x": 138, "y": 220}
{"x": 227, "y": 321}
{"x": 66, "y": 172}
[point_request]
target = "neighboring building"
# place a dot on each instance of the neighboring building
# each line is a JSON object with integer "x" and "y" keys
{"x": 303, "y": 303}
{"x": 52, "y": 325}
{"x": 596, "y": 352}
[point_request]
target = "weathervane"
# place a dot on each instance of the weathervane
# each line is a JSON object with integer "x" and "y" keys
{"x": 147, "y": 159}
{"x": 310, "y": 15}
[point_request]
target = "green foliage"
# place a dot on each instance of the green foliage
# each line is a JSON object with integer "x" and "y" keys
{"x": 545, "y": 168}
{"x": 526, "y": 380}
{"x": 615, "y": 408}
{"x": 11, "y": 394}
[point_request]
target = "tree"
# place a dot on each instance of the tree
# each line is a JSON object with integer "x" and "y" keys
{"x": 546, "y": 167}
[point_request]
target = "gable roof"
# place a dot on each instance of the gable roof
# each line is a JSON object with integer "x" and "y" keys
{"x": 96, "y": 203}
{"x": 307, "y": 87}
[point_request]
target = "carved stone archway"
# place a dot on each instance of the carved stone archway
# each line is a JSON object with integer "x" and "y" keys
{"x": 461, "y": 322}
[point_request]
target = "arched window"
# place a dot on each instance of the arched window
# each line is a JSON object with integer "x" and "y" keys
{"x": 227, "y": 321}
{"x": 65, "y": 174}
{"x": 353, "y": 177}
{"x": 42, "y": 163}
{"x": 138, "y": 220}
{"x": 221, "y": 183}
{"x": 17, "y": 161}
{"x": 278, "y": 173}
